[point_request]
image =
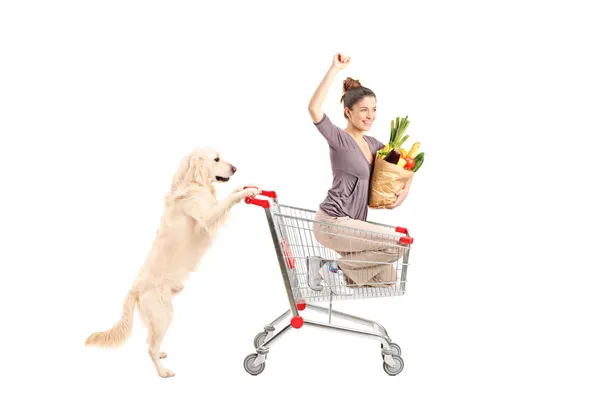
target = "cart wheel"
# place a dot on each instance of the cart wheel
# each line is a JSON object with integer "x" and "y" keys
{"x": 252, "y": 370}
{"x": 259, "y": 339}
{"x": 396, "y": 369}
{"x": 395, "y": 350}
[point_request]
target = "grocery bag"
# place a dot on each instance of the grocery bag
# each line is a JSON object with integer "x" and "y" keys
{"x": 387, "y": 181}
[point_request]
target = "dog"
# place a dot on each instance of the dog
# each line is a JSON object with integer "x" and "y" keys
{"x": 191, "y": 219}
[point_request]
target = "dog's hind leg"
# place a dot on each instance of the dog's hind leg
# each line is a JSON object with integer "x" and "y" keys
{"x": 157, "y": 311}
{"x": 162, "y": 354}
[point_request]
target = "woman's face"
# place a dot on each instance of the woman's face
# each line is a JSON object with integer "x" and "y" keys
{"x": 362, "y": 115}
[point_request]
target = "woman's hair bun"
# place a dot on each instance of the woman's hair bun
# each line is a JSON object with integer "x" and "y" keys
{"x": 349, "y": 83}
{"x": 353, "y": 93}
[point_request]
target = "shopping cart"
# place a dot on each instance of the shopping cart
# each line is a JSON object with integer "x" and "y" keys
{"x": 301, "y": 257}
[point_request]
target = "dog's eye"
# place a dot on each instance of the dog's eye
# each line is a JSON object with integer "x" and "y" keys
{"x": 217, "y": 159}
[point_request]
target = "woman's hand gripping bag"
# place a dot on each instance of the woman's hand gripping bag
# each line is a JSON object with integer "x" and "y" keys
{"x": 386, "y": 183}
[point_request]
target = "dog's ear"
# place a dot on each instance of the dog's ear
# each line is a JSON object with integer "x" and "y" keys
{"x": 180, "y": 174}
{"x": 196, "y": 171}
{"x": 191, "y": 169}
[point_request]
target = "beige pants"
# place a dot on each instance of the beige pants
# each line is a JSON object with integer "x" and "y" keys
{"x": 367, "y": 258}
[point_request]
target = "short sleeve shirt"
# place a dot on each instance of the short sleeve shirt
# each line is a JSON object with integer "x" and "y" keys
{"x": 349, "y": 192}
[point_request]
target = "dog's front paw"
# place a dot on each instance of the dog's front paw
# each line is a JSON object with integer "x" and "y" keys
{"x": 251, "y": 192}
{"x": 241, "y": 188}
{"x": 252, "y": 185}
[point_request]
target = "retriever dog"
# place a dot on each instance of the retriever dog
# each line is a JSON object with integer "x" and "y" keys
{"x": 191, "y": 218}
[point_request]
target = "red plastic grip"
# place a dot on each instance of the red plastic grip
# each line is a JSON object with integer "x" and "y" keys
{"x": 257, "y": 202}
{"x": 268, "y": 193}
{"x": 406, "y": 240}
{"x": 400, "y": 229}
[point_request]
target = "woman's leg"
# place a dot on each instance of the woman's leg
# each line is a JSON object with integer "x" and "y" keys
{"x": 366, "y": 250}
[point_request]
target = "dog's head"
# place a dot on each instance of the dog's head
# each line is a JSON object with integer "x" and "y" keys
{"x": 206, "y": 163}
{"x": 202, "y": 166}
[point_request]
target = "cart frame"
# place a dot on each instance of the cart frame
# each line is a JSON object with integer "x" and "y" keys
{"x": 254, "y": 363}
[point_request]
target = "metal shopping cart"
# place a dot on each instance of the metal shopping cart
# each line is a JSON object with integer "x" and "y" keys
{"x": 304, "y": 263}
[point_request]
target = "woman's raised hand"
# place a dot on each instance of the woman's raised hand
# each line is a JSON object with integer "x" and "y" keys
{"x": 340, "y": 61}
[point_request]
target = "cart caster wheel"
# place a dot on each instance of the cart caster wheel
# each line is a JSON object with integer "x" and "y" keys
{"x": 395, "y": 350}
{"x": 396, "y": 369}
{"x": 253, "y": 370}
{"x": 259, "y": 339}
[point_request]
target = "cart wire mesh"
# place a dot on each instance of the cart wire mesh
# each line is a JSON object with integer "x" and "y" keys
{"x": 364, "y": 264}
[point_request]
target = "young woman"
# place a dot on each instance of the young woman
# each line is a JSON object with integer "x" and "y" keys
{"x": 365, "y": 259}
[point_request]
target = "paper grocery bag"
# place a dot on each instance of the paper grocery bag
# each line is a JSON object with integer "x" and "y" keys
{"x": 386, "y": 182}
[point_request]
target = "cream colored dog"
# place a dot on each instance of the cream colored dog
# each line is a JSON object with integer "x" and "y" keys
{"x": 190, "y": 221}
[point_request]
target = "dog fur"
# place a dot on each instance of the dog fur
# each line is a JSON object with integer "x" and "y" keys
{"x": 191, "y": 219}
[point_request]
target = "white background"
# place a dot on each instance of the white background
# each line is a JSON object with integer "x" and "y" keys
{"x": 100, "y": 100}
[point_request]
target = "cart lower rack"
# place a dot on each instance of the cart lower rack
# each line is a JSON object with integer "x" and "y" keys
{"x": 354, "y": 264}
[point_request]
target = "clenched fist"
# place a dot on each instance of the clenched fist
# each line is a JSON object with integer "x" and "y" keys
{"x": 340, "y": 61}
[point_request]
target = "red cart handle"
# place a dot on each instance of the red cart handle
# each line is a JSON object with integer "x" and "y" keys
{"x": 400, "y": 229}
{"x": 257, "y": 202}
{"x": 404, "y": 239}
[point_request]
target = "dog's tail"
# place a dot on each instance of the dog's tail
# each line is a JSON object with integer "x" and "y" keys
{"x": 121, "y": 331}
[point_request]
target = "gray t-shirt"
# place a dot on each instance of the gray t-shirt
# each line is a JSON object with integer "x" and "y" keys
{"x": 349, "y": 193}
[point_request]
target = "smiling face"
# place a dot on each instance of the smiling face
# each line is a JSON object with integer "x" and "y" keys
{"x": 363, "y": 113}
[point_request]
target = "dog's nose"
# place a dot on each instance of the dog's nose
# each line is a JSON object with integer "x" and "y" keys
{"x": 233, "y": 169}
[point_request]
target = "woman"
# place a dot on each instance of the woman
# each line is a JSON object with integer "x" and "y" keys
{"x": 365, "y": 259}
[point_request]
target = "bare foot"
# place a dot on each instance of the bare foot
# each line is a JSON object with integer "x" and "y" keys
{"x": 162, "y": 355}
{"x": 165, "y": 373}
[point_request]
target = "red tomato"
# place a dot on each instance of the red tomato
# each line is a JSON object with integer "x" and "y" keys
{"x": 410, "y": 163}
